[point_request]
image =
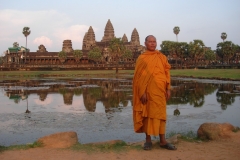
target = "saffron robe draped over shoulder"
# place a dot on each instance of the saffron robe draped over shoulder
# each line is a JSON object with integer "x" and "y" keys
{"x": 151, "y": 76}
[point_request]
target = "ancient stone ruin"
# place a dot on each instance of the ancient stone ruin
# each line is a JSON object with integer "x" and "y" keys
{"x": 67, "y": 46}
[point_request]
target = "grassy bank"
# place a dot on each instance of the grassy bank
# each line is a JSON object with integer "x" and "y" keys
{"x": 233, "y": 74}
{"x": 209, "y": 73}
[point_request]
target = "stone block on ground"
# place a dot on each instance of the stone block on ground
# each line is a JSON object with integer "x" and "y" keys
{"x": 214, "y": 131}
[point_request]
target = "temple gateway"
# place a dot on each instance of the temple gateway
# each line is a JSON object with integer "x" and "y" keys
{"x": 20, "y": 57}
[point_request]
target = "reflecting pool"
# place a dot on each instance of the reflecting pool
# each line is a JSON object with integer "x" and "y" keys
{"x": 100, "y": 109}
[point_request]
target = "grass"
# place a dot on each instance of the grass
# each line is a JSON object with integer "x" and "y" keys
{"x": 119, "y": 146}
{"x": 19, "y": 147}
{"x": 62, "y": 74}
{"x": 189, "y": 136}
{"x": 233, "y": 74}
{"x": 106, "y": 147}
{"x": 208, "y": 73}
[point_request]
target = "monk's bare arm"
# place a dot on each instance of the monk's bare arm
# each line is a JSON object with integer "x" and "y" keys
{"x": 143, "y": 99}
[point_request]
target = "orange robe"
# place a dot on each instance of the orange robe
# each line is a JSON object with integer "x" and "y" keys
{"x": 152, "y": 75}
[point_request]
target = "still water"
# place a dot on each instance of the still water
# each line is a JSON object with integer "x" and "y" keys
{"x": 100, "y": 109}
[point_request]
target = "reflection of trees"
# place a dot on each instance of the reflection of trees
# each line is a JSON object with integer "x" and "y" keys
{"x": 196, "y": 96}
{"x": 67, "y": 95}
{"x": 90, "y": 96}
{"x": 193, "y": 93}
{"x": 179, "y": 95}
{"x": 225, "y": 96}
{"x": 209, "y": 88}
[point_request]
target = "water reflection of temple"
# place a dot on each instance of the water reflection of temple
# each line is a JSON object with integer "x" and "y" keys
{"x": 116, "y": 93}
{"x": 111, "y": 93}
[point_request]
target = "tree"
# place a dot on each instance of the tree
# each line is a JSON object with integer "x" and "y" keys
{"x": 180, "y": 50}
{"x": 223, "y": 36}
{"x": 26, "y": 31}
{"x": 117, "y": 49}
{"x": 175, "y": 50}
{"x": 226, "y": 50}
{"x": 95, "y": 54}
{"x": 127, "y": 54}
{"x": 62, "y": 56}
{"x": 210, "y": 55}
{"x": 196, "y": 50}
{"x": 176, "y": 31}
{"x": 167, "y": 48}
{"x": 77, "y": 54}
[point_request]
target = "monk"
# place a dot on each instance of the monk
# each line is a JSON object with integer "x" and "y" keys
{"x": 151, "y": 90}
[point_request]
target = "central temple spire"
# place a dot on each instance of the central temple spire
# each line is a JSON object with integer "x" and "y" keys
{"x": 109, "y": 32}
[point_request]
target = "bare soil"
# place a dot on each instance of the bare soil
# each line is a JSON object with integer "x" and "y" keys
{"x": 228, "y": 148}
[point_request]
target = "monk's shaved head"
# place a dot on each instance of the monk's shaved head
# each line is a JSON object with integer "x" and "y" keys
{"x": 150, "y": 43}
{"x": 148, "y": 37}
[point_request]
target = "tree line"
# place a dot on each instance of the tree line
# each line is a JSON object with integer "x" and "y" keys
{"x": 178, "y": 53}
{"x": 181, "y": 52}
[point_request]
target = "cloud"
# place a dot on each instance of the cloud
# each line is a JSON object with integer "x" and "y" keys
{"x": 75, "y": 33}
{"x": 48, "y": 27}
{"x": 42, "y": 24}
{"x": 47, "y": 42}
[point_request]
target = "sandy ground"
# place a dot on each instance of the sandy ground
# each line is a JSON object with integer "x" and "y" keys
{"x": 213, "y": 150}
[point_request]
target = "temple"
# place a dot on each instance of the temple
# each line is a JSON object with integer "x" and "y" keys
{"x": 89, "y": 42}
{"x": 16, "y": 57}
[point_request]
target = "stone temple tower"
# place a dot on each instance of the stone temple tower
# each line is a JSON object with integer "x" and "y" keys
{"x": 109, "y": 32}
{"x": 67, "y": 46}
{"x": 124, "y": 38}
{"x": 135, "y": 38}
{"x": 89, "y": 39}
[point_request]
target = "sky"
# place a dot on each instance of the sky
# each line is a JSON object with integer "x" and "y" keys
{"x": 53, "y": 21}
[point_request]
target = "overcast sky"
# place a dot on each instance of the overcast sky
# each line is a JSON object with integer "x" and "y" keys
{"x": 52, "y": 21}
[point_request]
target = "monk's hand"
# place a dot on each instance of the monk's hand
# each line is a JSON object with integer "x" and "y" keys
{"x": 168, "y": 94}
{"x": 143, "y": 99}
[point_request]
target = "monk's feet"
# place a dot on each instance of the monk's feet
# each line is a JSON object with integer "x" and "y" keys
{"x": 147, "y": 146}
{"x": 168, "y": 146}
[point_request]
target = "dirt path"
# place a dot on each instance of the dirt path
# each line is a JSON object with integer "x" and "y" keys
{"x": 213, "y": 150}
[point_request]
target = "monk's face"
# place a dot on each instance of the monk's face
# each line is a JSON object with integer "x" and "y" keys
{"x": 151, "y": 43}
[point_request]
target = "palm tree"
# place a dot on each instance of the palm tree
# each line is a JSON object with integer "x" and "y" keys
{"x": 223, "y": 36}
{"x": 117, "y": 50}
{"x": 26, "y": 31}
{"x": 176, "y": 31}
